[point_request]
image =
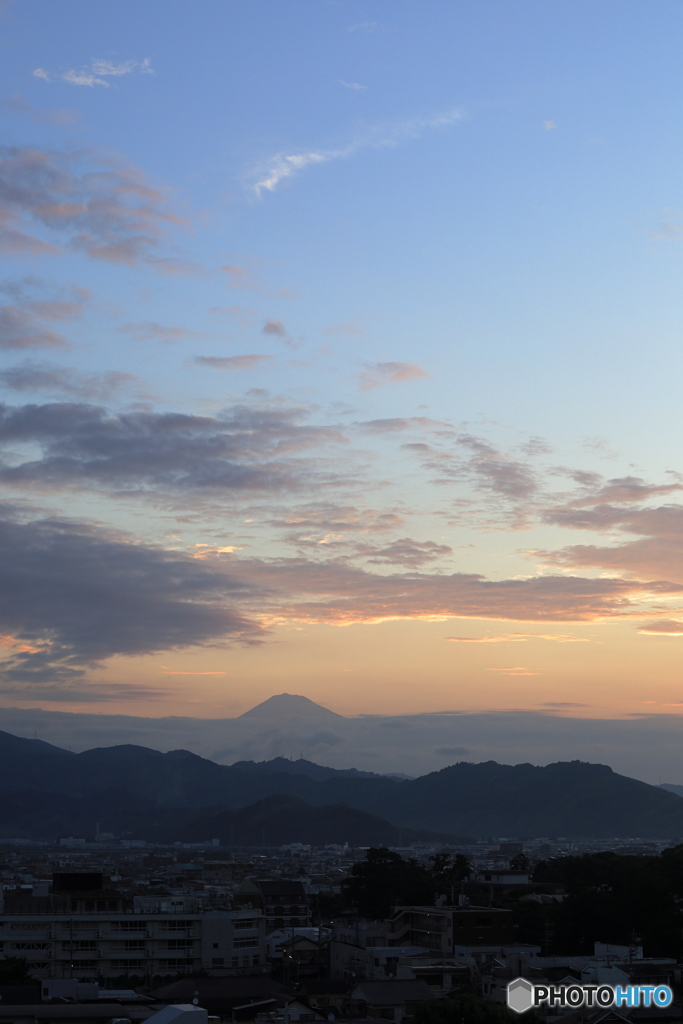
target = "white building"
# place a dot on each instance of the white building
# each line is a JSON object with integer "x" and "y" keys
{"x": 103, "y": 944}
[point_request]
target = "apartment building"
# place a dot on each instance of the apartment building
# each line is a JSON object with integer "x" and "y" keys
{"x": 97, "y": 932}
{"x": 440, "y": 929}
{"x": 283, "y": 901}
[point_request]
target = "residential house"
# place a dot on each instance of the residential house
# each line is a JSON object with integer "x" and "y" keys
{"x": 388, "y": 1000}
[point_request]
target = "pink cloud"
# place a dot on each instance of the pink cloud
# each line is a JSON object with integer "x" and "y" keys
{"x": 379, "y": 374}
{"x": 231, "y": 362}
{"x": 109, "y": 212}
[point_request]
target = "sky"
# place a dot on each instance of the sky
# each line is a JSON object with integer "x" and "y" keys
{"x": 340, "y": 354}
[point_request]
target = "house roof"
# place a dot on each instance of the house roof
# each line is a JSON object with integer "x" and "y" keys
{"x": 324, "y": 986}
{"x": 244, "y": 989}
{"x": 392, "y": 992}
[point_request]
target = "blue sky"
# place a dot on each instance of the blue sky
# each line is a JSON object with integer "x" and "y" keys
{"x": 412, "y": 272}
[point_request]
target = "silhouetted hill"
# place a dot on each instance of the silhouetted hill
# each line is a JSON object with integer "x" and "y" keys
{"x": 285, "y": 819}
{"x": 307, "y": 768}
{"x": 672, "y": 788}
{"x": 563, "y": 799}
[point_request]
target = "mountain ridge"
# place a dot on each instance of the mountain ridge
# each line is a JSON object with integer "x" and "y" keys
{"x": 572, "y": 798}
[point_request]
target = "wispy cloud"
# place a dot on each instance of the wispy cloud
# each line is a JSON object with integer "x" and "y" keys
{"x": 662, "y": 627}
{"x": 65, "y": 381}
{"x": 282, "y": 166}
{"x": 389, "y": 373}
{"x": 355, "y": 86}
{"x": 669, "y": 228}
{"x": 150, "y": 331}
{"x": 347, "y": 327}
{"x": 241, "y": 277}
{"x": 18, "y": 104}
{"x": 97, "y": 72}
{"x": 24, "y": 324}
{"x": 110, "y": 212}
{"x": 231, "y": 362}
{"x": 511, "y": 638}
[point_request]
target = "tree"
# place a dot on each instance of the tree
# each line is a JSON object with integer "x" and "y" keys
{"x": 448, "y": 871}
{"x": 14, "y": 971}
{"x": 385, "y": 880}
{"x": 610, "y": 898}
{"x": 520, "y": 862}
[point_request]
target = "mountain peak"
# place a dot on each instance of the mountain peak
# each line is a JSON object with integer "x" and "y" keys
{"x": 291, "y": 705}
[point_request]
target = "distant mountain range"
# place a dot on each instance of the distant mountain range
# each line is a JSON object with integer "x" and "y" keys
{"x": 46, "y": 791}
{"x": 289, "y": 725}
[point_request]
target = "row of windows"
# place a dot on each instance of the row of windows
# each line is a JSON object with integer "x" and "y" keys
{"x": 95, "y": 906}
{"x": 219, "y": 961}
{"x": 128, "y": 944}
{"x": 173, "y": 962}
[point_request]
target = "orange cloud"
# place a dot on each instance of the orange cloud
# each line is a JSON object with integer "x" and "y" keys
{"x": 560, "y": 638}
{"x": 663, "y": 627}
{"x": 517, "y": 670}
{"x": 338, "y": 593}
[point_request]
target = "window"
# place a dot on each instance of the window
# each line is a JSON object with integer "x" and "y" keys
{"x": 176, "y": 926}
{"x": 215, "y": 945}
{"x": 127, "y": 963}
{"x": 244, "y": 943}
{"x": 255, "y": 961}
{"x": 133, "y": 944}
{"x": 85, "y": 965}
{"x": 217, "y": 961}
{"x": 247, "y": 923}
{"x": 245, "y": 961}
{"x": 234, "y": 961}
{"x": 129, "y": 926}
{"x": 180, "y": 943}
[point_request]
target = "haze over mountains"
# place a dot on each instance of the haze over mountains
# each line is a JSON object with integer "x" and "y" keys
{"x": 648, "y": 747}
{"x": 46, "y": 791}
